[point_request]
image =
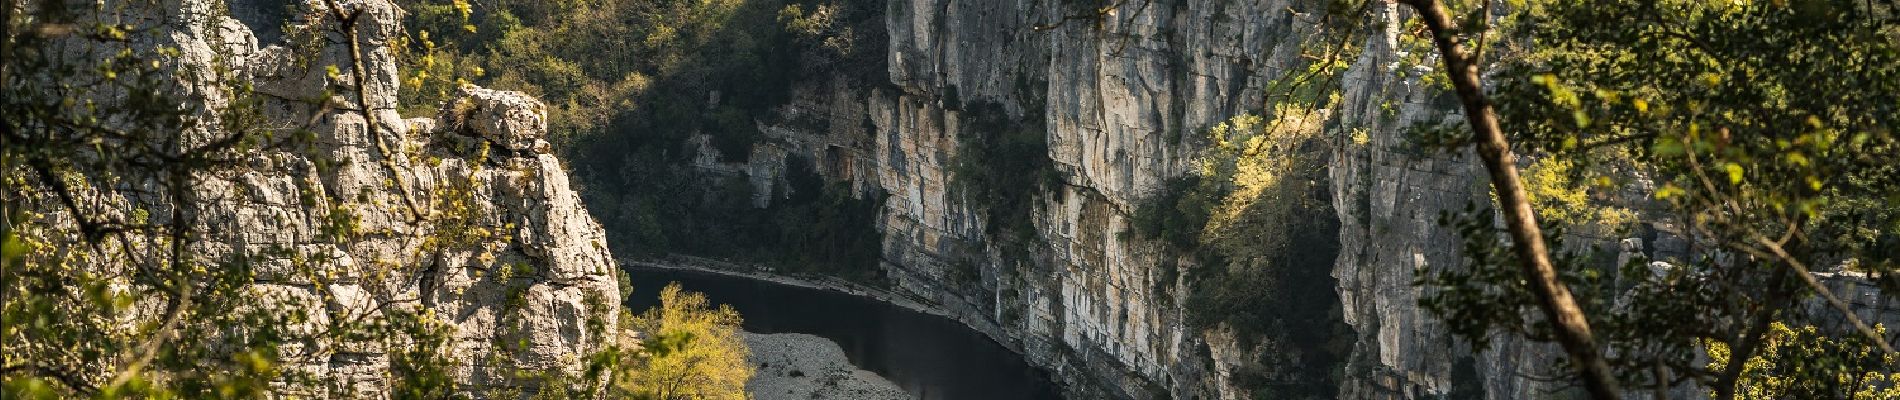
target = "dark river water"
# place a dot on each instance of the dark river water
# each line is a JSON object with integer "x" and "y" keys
{"x": 929, "y": 356}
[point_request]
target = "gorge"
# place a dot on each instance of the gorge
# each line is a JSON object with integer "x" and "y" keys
{"x": 1038, "y": 199}
{"x": 1011, "y": 146}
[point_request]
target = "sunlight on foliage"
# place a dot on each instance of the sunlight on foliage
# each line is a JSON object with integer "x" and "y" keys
{"x": 1560, "y": 195}
{"x": 693, "y": 351}
{"x": 1804, "y": 363}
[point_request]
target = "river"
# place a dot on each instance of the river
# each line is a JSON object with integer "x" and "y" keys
{"x": 930, "y": 356}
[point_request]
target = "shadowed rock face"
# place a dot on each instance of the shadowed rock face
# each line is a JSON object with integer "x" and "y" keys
{"x": 265, "y": 18}
{"x": 557, "y": 305}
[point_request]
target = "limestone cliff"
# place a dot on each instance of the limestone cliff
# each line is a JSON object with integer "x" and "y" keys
{"x": 464, "y": 216}
{"x": 1121, "y": 101}
{"x": 1121, "y": 97}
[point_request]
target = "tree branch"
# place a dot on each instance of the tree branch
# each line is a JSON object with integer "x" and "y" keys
{"x": 1744, "y": 347}
{"x": 346, "y": 23}
{"x": 1093, "y": 15}
{"x": 1566, "y": 317}
{"x": 1801, "y": 270}
{"x": 67, "y": 378}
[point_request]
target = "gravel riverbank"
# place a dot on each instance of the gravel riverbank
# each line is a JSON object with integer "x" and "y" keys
{"x": 801, "y": 366}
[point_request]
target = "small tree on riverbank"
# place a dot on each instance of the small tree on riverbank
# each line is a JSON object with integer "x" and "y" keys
{"x": 691, "y": 351}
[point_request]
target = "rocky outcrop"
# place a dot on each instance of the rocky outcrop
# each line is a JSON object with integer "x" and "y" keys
{"x": 473, "y": 225}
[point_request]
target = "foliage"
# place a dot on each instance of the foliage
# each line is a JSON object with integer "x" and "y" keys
{"x": 694, "y": 351}
{"x": 1806, "y": 363}
{"x": 1179, "y": 213}
{"x": 1000, "y": 165}
{"x": 1258, "y": 221}
{"x": 1559, "y": 193}
{"x": 822, "y": 229}
{"x": 1766, "y": 128}
{"x": 664, "y": 69}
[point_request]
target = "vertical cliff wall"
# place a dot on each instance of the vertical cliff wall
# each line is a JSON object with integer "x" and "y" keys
{"x": 1390, "y": 195}
{"x": 1123, "y": 94}
{"x": 1123, "y": 100}
{"x": 1120, "y": 99}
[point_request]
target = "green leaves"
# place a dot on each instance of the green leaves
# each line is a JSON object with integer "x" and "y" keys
{"x": 1752, "y": 119}
{"x": 694, "y": 351}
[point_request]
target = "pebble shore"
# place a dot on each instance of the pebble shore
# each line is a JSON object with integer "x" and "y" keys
{"x": 801, "y": 366}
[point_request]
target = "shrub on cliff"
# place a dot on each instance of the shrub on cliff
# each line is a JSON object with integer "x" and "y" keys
{"x": 1258, "y": 222}
{"x": 1001, "y": 165}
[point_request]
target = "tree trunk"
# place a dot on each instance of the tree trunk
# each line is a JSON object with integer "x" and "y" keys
{"x": 1572, "y": 328}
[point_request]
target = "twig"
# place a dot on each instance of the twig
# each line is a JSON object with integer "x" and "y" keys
{"x": 346, "y": 22}
{"x": 67, "y": 378}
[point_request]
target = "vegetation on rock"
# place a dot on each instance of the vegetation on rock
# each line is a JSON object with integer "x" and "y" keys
{"x": 1257, "y": 223}
{"x": 1761, "y": 133}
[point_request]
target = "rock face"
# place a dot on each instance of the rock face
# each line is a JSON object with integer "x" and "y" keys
{"x": 1389, "y": 198}
{"x": 1120, "y": 97}
{"x": 474, "y": 223}
{"x": 1116, "y": 99}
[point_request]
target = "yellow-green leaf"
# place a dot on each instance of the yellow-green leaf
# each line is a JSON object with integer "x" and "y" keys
{"x": 1669, "y": 190}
